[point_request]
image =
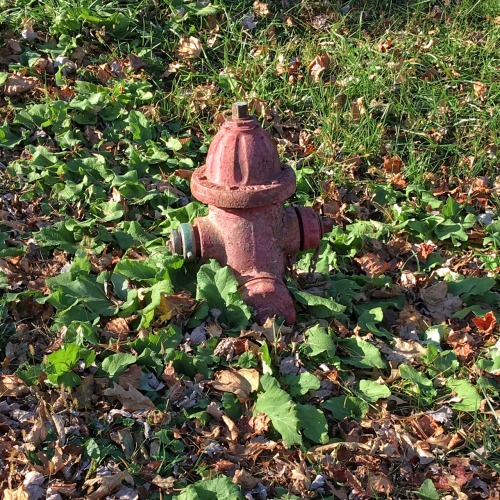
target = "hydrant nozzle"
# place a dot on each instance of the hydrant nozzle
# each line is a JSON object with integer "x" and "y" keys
{"x": 247, "y": 227}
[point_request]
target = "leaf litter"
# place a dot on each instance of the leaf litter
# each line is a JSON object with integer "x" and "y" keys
{"x": 123, "y": 375}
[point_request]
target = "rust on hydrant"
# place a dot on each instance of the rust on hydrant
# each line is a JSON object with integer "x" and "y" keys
{"x": 247, "y": 227}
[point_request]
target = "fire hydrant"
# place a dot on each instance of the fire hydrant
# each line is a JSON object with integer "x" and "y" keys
{"x": 247, "y": 227}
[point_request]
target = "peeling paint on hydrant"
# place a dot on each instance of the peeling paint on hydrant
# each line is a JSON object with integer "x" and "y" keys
{"x": 247, "y": 227}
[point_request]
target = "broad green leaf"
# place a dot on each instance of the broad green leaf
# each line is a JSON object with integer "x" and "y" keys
{"x": 360, "y": 353}
{"x": 427, "y": 491}
{"x": 318, "y": 341}
{"x": 313, "y": 423}
{"x": 139, "y": 126}
{"x": 346, "y": 407}
{"x": 301, "y": 384}
{"x": 59, "y": 364}
{"x": 279, "y": 407}
{"x": 136, "y": 270}
{"x": 420, "y": 384}
{"x": 436, "y": 334}
{"x": 117, "y": 363}
{"x": 220, "y": 488}
{"x": 372, "y": 391}
{"x": 490, "y": 365}
{"x": 165, "y": 339}
{"x": 319, "y": 307}
{"x": 471, "y": 399}
{"x": 219, "y": 288}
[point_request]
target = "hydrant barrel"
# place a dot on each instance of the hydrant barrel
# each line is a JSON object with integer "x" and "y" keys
{"x": 247, "y": 227}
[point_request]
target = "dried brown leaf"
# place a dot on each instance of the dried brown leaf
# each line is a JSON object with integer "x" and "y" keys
{"x": 131, "y": 377}
{"x": 240, "y": 382}
{"x": 167, "y": 484}
{"x": 318, "y": 65}
{"x": 372, "y": 264}
{"x": 108, "y": 484}
{"x": 480, "y": 90}
{"x": 358, "y": 109}
{"x": 18, "y": 84}
{"x": 261, "y": 8}
{"x": 18, "y": 494}
{"x": 440, "y": 304}
{"x": 245, "y": 480}
{"x": 485, "y": 324}
{"x": 131, "y": 399}
{"x": 462, "y": 343}
{"x": 13, "y": 386}
{"x": 392, "y": 165}
{"x": 379, "y": 483}
{"x": 189, "y": 48}
{"x": 134, "y": 62}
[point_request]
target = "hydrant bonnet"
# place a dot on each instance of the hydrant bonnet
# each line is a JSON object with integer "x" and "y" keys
{"x": 243, "y": 169}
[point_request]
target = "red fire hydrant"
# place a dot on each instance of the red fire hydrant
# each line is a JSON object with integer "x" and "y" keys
{"x": 247, "y": 227}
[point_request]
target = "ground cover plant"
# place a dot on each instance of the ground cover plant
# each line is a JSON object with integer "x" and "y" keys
{"x": 128, "y": 373}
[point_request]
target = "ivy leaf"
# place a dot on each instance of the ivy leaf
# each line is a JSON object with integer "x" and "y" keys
{"x": 318, "y": 341}
{"x": 421, "y": 384}
{"x": 346, "y": 407}
{"x": 219, "y": 488}
{"x": 372, "y": 391}
{"x": 313, "y": 422}
{"x": 471, "y": 399}
{"x": 427, "y": 491}
{"x": 279, "y": 407}
{"x": 139, "y": 126}
{"x": 117, "y": 363}
{"x": 361, "y": 353}
{"x": 219, "y": 288}
{"x": 319, "y": 307}
{"x": 301, "y": 384}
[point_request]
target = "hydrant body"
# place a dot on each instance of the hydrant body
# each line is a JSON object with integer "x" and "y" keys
{"x": 247, "y": 227}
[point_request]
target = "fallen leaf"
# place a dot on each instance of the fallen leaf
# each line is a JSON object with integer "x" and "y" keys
{"x": 403, "y": 352}
{"x": 485, "y": 324}
{"x": 480, "y": 90}
{"x": 318, "y": 65}
{"x": 189, "y": 48}
{"x": 172, "y": 69}
{"x": 245, "y": 480}
{"x": 13, "y": 386}
{"x": 424, "y": 250}
{"x": 108, "y": 484}
{"x": 18, "y": 84}
{"x": 131, "y": 377}
{"x": 462, "y": 343}
{"x": 131, "y": 399}
{"x": 18, "y": 494}
{"x": 14, "y": 46}
{"x": 440, "y": 304}
{"x": 165, "y": 483}
{"x": 385, "y": 46}
{"x": 358, "y": 109}
{"x": 392, "y": 165}
{"x": 261, "y": 8}
{"x": 379, "y": 483}
{"x": 134, "y": 62}
{"x": 398, "y": 181}
{"x": 427, "y": 427}
{"x": 372, "y": 264}
{"x": 240, "y": 382}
